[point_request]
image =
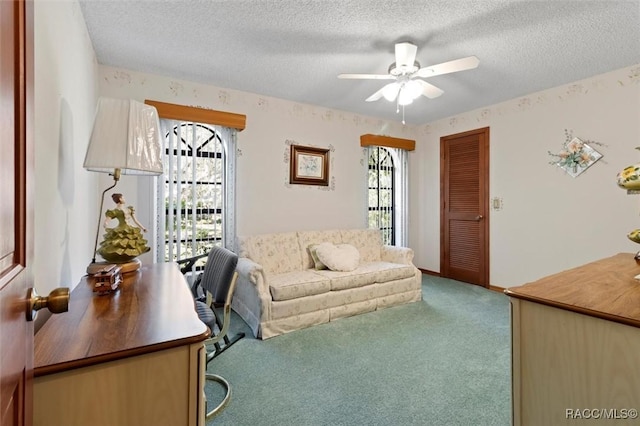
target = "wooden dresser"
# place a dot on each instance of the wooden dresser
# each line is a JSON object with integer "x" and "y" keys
{"x": 576, "y": 345}
{"x": 135, "y": 357}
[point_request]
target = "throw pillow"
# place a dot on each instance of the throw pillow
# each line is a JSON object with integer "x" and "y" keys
{"x": 314, "y": 255}
{"x": 341, "y": 257}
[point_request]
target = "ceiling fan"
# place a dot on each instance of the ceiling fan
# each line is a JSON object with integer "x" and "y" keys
{"x": 407, "y": 74}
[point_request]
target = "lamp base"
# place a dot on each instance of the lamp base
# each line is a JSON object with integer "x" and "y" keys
{"x": 125, "y": 268}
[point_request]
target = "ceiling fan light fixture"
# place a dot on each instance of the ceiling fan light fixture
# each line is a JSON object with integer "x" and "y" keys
{"x": 390, "y": 91}
{"x": 398, "y": 70}
{"x": 413, "y": 89}
{"x": 405, "y": 97}
{"x": 407, "y": 73}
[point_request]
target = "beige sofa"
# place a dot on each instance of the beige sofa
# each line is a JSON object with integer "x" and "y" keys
{"x": 279, "y": 290}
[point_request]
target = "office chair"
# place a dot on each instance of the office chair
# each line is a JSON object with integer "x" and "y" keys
{"x": 213, "y": 288}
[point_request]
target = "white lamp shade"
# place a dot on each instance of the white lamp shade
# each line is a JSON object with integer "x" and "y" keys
{"x": 125, "y": 136}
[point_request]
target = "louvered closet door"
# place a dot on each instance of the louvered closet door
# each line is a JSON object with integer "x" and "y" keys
{"x": 464, "y": 245}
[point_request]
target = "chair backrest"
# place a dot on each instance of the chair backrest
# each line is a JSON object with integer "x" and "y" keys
{"x": 218, "y": 273}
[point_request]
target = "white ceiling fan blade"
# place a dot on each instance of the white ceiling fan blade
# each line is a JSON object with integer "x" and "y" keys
{"x": 368, "y": 76}
{"x": 429, "y": 90}
{"x": 463, "y": 64}
{"x": 405, "y": 54}
{"x": 386, "y": 91}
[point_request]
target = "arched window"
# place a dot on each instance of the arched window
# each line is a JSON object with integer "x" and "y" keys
{"x": 193, "y": 202}
{"x": 387, "y": 192}
{"x": 195, "y": 198}
{"x": 381, "y": 194}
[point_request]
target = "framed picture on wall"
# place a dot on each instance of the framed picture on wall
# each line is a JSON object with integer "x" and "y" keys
{"x": 309, "y": 166}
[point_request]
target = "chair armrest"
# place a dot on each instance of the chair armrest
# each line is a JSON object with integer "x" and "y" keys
{"x": 394, "y": 254}
{"x": 253, "y": 273}
{"x": 186, "y": 264}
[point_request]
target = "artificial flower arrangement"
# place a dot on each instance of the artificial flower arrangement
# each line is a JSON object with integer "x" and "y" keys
{"x": 629, "y": 177}
{"x": 576, "y": 155}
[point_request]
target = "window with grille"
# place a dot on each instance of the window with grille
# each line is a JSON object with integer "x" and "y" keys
{"x": 387, "y": 193}
{"x": 381, "y": 194}
{"x": 194, "y": 203}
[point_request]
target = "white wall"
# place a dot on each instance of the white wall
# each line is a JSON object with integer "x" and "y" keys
{"x": 549, "y": 221}
{"x": 65, "y": 95}
{"x": 265, "y": 201}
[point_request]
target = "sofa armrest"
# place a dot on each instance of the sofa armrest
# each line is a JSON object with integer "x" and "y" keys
{"x": 252, "y": 299}
{"x": 394, "y": 254}
{"x": 253, "y": 273}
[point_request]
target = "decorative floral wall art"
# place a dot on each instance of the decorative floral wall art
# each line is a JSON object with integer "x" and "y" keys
{"x": 576, "y": 155}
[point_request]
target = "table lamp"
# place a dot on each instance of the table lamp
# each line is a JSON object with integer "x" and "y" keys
{"x": 125, "y": 140}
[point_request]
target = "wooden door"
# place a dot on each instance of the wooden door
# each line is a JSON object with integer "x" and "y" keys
{"x": 464, "y": 206}
{"x": 16, "y": 216}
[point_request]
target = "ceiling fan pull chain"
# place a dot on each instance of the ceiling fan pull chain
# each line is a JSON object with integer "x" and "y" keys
{"x": 403, "y": 115}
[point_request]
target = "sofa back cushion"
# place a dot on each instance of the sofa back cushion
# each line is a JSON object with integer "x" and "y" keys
{"x": 277, "y": 253}
{"x": 306, "y": 238}
{"x": 242, "y": 245}
{"x": 367, "y": 241}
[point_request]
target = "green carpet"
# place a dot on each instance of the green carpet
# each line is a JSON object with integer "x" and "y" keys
{"x": 442, "y": 361}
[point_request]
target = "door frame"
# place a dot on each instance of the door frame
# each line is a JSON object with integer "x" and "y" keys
{"x": 16, "y": 265}
{"x": 483, "y": 134}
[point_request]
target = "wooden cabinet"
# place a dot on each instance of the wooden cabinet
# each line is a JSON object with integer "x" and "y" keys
{"x": 576, "y": 345}
{"x": 135, "y": 357}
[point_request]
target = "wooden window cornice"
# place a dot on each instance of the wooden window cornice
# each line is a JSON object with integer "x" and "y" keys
{"x": 389, "y": 142}
{"x": 199, "y": 115}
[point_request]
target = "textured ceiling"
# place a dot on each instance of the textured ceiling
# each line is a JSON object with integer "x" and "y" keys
{"x": 294, "y": 49}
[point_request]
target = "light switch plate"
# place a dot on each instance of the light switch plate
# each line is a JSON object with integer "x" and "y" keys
{"x": 496, "y": 203}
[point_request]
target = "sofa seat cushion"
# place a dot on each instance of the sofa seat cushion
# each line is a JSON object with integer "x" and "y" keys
{"x": 386, "y": 271}
{"x": 367, "y": 274}
{"x": 292, "y": 285}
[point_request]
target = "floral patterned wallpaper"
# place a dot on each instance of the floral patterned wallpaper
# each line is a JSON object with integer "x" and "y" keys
{"x": 480, "y": 117}
{"x": 220, "y": 97}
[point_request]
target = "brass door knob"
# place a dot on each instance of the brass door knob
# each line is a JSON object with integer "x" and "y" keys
{"x": 57, "y": 302}
{"x": 478, "y": 218}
